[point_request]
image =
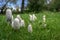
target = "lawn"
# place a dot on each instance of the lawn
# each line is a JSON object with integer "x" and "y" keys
{"x": 51, "y": 32}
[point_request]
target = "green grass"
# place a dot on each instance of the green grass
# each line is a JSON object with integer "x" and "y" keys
{"x": 51, "y": 32}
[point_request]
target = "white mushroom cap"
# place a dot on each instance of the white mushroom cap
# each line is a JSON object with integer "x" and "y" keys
{"x": 44, "y": 18}
{"x": 15, "y": 24}
{"x": 22, "y": 23}
{"x": 33, "y": 17}
{"x": 9, "y": 15}
{"x": 18, "y": 16}
{"x": 30, "y": 28}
